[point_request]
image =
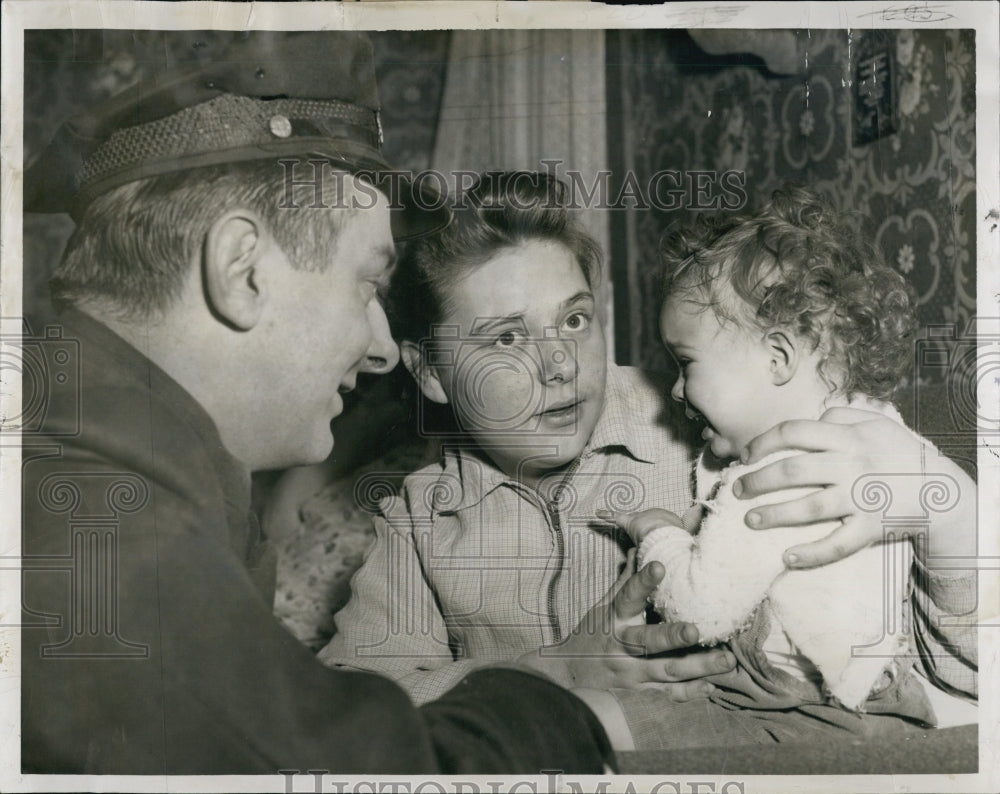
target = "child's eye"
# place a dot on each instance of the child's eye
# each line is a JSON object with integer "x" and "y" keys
{"x": 578, "y": 321}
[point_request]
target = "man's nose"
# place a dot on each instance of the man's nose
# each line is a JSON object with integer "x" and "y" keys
{"x": 383, "y": 353}
{"x": 560, "y": 360}
{"x": 677, "y": 392}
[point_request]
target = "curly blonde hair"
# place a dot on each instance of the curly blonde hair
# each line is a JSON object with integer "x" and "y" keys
{"x": 800, "y": 264}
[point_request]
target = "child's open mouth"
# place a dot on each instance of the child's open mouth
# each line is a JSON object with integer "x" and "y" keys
{"x": 707, "y": 433}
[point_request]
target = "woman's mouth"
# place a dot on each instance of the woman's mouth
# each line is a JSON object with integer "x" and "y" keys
{"x": 561, "y": 414}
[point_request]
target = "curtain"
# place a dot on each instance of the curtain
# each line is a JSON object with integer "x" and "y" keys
{"x": 515, "y": 98}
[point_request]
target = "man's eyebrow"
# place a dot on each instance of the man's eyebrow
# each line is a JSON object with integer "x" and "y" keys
{"x": 582, "y": 295}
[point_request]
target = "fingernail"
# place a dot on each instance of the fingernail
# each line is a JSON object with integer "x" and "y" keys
{"x": 738, "y": 488}
{"x": 722, "y": 664}
{"x": 745, "y": 455}
{"x": 690, "y": 635}
{"x": 791, "y": 560}
{"x": 753, "y": 519}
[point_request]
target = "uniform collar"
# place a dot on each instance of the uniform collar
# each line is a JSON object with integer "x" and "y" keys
{"x": 146, "y": 376}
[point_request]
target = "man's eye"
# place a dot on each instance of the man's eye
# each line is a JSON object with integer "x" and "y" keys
{"x": 377, "y": 290}
{"x": 506, "y": 339}
{"x": 578, "y": 321}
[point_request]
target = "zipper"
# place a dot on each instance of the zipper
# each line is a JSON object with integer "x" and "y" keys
{"x": 552, "y": 507}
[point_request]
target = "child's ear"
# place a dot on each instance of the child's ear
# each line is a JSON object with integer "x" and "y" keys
{"x": 783, "y": 351}
{"x": 424, "y": 374}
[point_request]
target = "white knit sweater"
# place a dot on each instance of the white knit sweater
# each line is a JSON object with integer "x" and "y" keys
{"x": 847, "y": 617}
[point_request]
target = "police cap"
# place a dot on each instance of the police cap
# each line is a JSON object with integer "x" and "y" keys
{"x": 259, "y": 95}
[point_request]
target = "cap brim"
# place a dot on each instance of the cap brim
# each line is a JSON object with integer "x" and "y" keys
{"x": 417, "y": 208}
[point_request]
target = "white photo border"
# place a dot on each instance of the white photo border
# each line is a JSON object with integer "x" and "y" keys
{"x": 19, "y": 15}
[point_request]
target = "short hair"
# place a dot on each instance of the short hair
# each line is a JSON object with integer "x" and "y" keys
{"x": 502, "y": 210}
{"x": 800, "y": 264}
{"x": 134, "y": 244}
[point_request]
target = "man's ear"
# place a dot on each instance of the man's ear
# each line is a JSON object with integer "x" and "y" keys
{"x": 234, "y": 282}
{"x": 424, "y": 374}
{"x": 782, "y": 347}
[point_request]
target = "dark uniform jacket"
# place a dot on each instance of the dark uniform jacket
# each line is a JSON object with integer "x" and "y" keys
{"x": 149, "y": 646}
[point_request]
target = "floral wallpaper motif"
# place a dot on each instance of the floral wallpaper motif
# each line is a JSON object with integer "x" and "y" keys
{"x": 915, "y": 189}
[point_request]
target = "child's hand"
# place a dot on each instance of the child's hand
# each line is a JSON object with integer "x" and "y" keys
{"x": 846, "y": 446}
{"x": 638, "y": 525}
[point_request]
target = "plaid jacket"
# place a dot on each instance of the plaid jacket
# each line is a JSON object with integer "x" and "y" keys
{"x": 470, "y": 567}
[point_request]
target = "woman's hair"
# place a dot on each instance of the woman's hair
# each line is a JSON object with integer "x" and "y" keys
{"x": 501, "y": 210}
{"x": 800, "y": 264}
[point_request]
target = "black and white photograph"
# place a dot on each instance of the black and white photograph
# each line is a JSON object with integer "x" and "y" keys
{"x": 500, "y": 396}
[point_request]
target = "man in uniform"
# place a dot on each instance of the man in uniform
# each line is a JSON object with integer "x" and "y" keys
{"x": 213, "y": 310}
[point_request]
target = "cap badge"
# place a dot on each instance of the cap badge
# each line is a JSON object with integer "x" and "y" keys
{"x": 280, "y": 126}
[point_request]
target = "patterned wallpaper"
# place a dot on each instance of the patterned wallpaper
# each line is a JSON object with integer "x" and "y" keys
{"x": 67, "y": 71}
{"x": 679, "y": 108}
{"x": 670, "y": 106}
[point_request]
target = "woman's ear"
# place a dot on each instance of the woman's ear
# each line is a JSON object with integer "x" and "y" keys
{"x": 233, "y": 257}
{"x": 782, "y": 348}
{"x": 424, "y": 374}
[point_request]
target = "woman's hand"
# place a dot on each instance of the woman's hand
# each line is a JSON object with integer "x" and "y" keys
{"x": 846, "y": 445}
{"x": 614, "y": 648}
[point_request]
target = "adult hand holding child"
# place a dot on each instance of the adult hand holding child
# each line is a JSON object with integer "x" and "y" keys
{"x": 613, "y": 646}
{"x": 846, "y": 445}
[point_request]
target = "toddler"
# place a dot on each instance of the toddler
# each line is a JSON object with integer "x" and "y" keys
{"x": 779, "y": 316}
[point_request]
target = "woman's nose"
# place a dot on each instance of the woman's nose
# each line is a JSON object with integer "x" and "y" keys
{"x": 560, "y": 358}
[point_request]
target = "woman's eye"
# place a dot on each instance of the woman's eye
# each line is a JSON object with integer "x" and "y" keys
{"x": 506, "y": 339}
{"x": 577, "y": 322}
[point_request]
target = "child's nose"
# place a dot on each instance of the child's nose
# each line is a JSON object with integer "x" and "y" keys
{"x": 677, "y": 392}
